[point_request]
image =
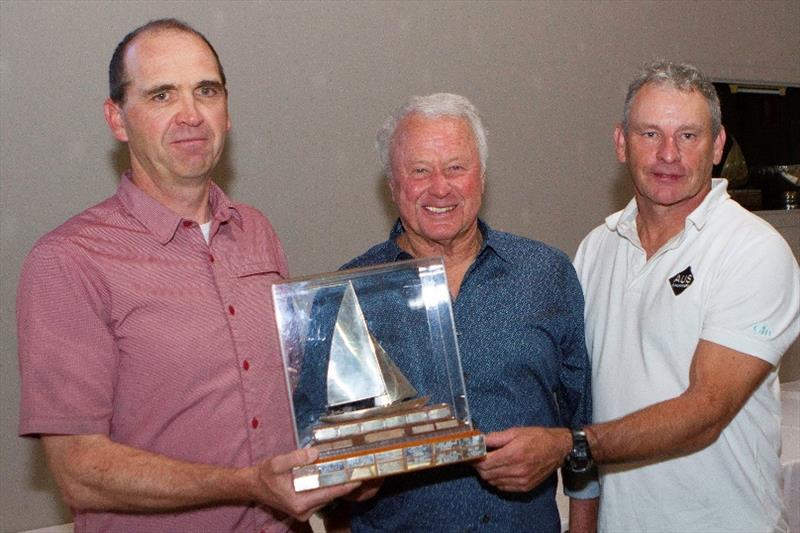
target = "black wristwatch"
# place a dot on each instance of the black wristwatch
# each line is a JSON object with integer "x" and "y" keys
{"x": 579, "y": 459}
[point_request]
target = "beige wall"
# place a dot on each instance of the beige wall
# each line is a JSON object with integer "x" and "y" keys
{"x": 309, "y": 84}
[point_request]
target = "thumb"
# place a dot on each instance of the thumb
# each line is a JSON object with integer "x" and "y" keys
{"x": 284, "y": 463}
{"x": 498, "y": 439}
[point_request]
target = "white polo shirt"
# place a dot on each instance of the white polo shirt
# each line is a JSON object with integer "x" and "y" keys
{"x": 728, "y": 278}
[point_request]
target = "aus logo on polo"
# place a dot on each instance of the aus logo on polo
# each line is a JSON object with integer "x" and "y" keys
{"x": 680, "y": 281}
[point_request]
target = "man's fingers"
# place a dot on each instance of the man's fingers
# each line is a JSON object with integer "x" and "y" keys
{"x": 284, "y": 463}
{"x": 306, "y": 503}
{"x": 498, "y": 439}
{"x": 494, "y": 459}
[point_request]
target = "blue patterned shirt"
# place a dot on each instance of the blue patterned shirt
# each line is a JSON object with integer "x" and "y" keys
{"x": 519, "y": 319}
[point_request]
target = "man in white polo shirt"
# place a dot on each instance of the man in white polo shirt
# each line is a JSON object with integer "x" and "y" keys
{"x": 690, "y": 303}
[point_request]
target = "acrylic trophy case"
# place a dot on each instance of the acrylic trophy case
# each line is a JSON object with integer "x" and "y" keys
{"x": 373, "y": 371}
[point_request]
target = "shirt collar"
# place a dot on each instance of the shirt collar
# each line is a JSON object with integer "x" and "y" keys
{"x": 161, "y": 221}
{"x": 491, "y": 241}
{"x": 717, "y": 195}
{"x": 624, "y": 222}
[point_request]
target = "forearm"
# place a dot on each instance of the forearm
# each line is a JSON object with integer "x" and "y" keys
{"x": 720, "y": 382}
{"x": 583, "y": 515}
{"x": 95, "y": 473}
{"x": 673, "y": 427}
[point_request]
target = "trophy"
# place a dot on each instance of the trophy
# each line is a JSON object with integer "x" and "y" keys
{"x": 374, "y": 373}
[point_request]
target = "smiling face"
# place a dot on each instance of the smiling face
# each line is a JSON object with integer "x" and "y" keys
{"x": 669, "y": 148}
{"x": 175, "y": 114}
{"x": 437, "y": 180}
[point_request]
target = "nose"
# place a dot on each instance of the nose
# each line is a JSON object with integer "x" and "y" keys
{"x": 668, "y": 150}
{"x": 188, "y": 112}
{"x": 439, "y": 186}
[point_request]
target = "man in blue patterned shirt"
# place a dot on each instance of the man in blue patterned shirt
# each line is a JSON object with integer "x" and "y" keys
{"x": 518, "y": 311}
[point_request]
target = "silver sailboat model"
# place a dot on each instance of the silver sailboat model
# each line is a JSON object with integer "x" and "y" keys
{"x": 374, "y": 423}
{"x": 361, "y": 377}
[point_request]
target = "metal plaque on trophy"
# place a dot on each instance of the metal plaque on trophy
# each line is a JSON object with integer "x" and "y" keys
{"x": 374, "y": 373}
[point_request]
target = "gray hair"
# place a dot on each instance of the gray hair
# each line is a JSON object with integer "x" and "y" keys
{"x": 433, "y": 105}
{"x": 681, "y": 76}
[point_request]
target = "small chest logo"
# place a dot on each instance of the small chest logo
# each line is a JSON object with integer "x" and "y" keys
{"x": 680, "y": 281}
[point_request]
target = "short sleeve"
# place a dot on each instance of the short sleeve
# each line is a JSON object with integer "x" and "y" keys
{"x": 754, "y": 305}
{"x": 67, "y": 355}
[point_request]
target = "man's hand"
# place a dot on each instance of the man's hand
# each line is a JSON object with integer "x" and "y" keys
{"x": 337, "y": 518}
{"x": 368, "y": 489}
{"x": 523, "y": 457}
{"x": 276, "y": 489}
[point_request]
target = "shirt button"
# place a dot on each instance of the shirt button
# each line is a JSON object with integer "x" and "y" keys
{"x": 187, "y": 223}
{"x": 485, "y": 519}
{"x": 211, "y": 258}
{"x": 231, "y": 310}
{"x": 254, "y": 422}
{"x": 246, "y": 365}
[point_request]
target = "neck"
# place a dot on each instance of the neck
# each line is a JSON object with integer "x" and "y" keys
{"x": 458, "y": 254}
{"x": 653, "y": 234}
{"x": 189, "y": 200}
{"x": 657, "y": 223}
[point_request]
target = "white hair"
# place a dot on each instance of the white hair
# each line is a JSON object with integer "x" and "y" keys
{"x": 433, "y": 105}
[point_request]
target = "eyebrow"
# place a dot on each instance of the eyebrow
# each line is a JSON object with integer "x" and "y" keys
{"x": 211, "y": 83}
{"x": 159, "y": 89}
{"x": 651, "y": 126}
{"x": 171, "y": 87}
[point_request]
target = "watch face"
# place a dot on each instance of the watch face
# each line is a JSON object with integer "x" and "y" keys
{"x": 580, "y": 460}
{"x": 579, "y": 464}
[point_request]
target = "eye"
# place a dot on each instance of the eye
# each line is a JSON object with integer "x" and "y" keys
{"x": 419, "y": 171}
{"x": 649, "y": 134}
{"x": 455, "y": 168}
{"x": 207, "y": 90}
{"x": 688, "y": 136}
{"x": 161, "y": 97}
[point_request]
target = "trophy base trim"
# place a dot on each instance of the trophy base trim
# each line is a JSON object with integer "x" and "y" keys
{"x": 454, "y": 447}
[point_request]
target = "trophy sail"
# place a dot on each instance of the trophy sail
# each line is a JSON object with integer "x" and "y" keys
{"x": 358, "y": 368}
{"x": 395, "y": 383}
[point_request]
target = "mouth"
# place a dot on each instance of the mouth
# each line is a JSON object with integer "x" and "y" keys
{"x": 667, "y": 175}
{"x": 438, "y": 210}
{"x": 191, "y": 145}
{"x": 189, "y": 141}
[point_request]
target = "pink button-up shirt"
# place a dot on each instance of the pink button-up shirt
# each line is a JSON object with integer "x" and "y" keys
{"x": 131, "y": 325}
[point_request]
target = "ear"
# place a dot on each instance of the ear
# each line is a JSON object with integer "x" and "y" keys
{"x": 115, "y": 120}
{"x": 619, "y": 143}
{"x": 719, "y": 145}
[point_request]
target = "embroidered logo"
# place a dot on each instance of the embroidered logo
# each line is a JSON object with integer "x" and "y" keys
{"x": 680, "y": 281}
{"x": 763, "y": 330}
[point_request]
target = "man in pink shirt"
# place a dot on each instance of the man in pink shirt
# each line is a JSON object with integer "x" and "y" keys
{"x": 148, "y": 349}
